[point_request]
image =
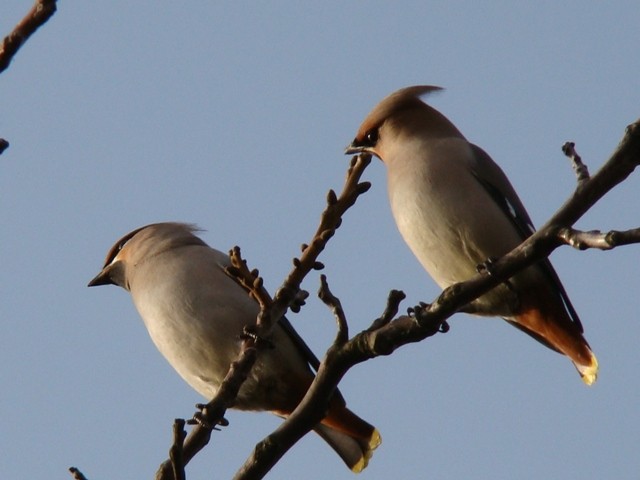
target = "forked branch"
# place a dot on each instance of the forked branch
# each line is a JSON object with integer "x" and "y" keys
{"x": 385, "y": 335}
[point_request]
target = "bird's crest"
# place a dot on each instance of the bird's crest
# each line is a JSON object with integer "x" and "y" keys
{"x": 393, "y": 103}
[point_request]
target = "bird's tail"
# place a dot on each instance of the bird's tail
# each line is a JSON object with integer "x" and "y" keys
{"x": 550, "y": 324}
{"x": 351, "y": 437}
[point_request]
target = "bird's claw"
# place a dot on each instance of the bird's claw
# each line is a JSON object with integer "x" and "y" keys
{"x": 414, "y": 312}
{"x": 249, "y": 333}
{"x": 199, "y": 418}
{"x": 417, "y": 313}
{"x": 486, "y": 267}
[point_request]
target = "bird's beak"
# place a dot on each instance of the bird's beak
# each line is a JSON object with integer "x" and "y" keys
{"x": 353, "y": 149}
{"x": 103, "y": 278}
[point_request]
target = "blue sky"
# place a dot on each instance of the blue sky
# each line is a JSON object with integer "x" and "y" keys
{"x": 234, "y": 116}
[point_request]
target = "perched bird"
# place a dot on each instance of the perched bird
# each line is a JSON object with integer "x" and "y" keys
{"x": 456, "y": 209}
{"x": 195, "y": 314}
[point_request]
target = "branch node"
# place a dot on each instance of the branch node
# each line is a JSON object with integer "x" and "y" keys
{"x": 363, "y": 187}
{"x": 332, "y": 198}
{"x": 596, "y": 239}
{"x": 299, "y": 300}
{"x": 326, "y": 235}
{"x": 612, "y": 238}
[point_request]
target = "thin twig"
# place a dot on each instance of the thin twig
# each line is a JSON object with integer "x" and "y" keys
{"x": 329, "y": 299}
{"x": 330, "y": 221}
{"x": 581, "y": 170}
{"x": 429, "y": 318}
{"x": 41, "y": 11}
{"x": 250, "y": 280}
{"x": 390, "y": 311}
{"x": 312, "y": 407}
{"x": 271, "y": 310}
{"x": 212, "y": 414}
{"x": 268, "y": 452}
{"x": 176, "y": 452}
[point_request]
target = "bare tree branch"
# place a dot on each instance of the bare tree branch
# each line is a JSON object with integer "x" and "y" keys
{"x": 596, "y": 239}
{"x": 175, "y": 453}
{"x": 213, "y": 412}
{"x": 271, "y": 310}
{"x": 384, "y": 336}
{"x": 41, "y": 11}
{"x": 330, "y": 221}
{"x": 619, "y": 166}
{"x": 333, "y": 302}
{"x": 393, "y": 305}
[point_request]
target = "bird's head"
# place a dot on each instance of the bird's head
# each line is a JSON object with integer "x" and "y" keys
{"x": 400, "y": 118}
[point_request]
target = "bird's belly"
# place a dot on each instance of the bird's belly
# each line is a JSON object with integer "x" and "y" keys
{"x": 200, "y": 344}
{"x": 438, "y": 246}
{"x": 450, "y": 235}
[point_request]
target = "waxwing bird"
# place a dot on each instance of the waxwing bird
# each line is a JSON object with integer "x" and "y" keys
{"x": 195, "y": 314}
{"x": 456, "y": 209}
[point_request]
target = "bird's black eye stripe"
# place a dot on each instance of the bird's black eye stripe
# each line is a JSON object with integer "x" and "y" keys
{"x": 119, "y": 245}
{"x": 371, "y": 137}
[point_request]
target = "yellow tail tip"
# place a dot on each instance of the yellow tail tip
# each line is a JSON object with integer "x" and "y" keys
{"x": 376, "y": 439}
{"x": 374, "y": 442}
{"x": 589, "y": 373}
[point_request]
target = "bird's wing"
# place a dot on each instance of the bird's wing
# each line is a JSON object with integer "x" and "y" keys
{"x": 306, "y": 352}
{"x": 493, "y": 179}
{"x": 300, "y": 344}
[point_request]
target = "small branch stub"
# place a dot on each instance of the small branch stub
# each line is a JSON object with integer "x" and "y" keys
{"x": 393, "y": 305}
{"x": 581, "y": 170}
{"x": 333, "y": 302}
{"x": 597, "y": 239}
{"x": 176, "y": 452}
{"x": 77, "y": 474}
